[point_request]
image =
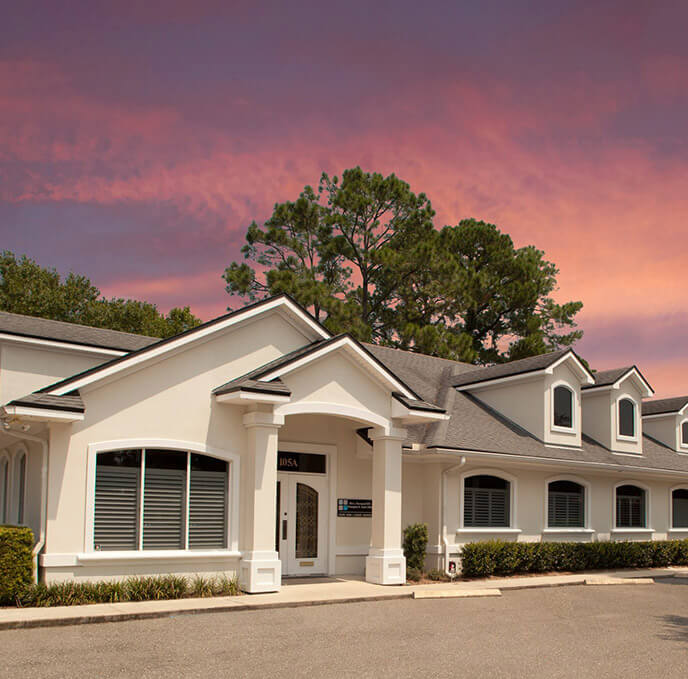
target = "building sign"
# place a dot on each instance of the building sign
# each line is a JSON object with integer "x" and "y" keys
{"x": 349, "y": 507}
{"x": 302, "y": 462}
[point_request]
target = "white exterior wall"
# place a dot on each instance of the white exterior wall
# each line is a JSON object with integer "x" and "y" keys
{"x": 666, "y": 429}
{"x": 170, "y": 400}
{"x": 26, "y": 367}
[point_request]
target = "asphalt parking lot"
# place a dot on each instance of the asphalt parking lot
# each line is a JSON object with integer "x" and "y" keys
{"x": 607, "y": 631}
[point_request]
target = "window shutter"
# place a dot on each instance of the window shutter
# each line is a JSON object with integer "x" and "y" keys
{"x": 565, "y": 510}
{"x": 208, "y": 509}
{"x": 116, "y": 508}
{"x": 163, "y": 508}
{"x": 486, "y": 508}
{"x": 680, "y": 509}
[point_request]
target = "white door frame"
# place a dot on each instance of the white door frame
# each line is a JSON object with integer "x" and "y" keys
{"x": 330, "y": 451}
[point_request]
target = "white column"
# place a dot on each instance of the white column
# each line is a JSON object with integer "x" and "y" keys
{"x": 260, "y": 569}
{"x": 386, "y": 564}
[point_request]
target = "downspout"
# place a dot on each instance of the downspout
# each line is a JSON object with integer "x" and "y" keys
{"x": 44, "y": 489}
{"x": 445, "y": 541}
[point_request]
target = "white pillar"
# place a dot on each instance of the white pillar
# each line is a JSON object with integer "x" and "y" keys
{"x": 386, "y": 564}
{"x": 260, "y": 569}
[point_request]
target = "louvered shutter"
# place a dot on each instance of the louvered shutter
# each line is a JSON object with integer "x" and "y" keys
{"x": 565, "y": 510}
{"x": 116, "y": 507}
{"x": 680, "y": 508}
{"x": 163, "y": 508}
{"x": 486, "y": 508}
{"x": 208, "y": 509}
{"x": 630, "y": 511}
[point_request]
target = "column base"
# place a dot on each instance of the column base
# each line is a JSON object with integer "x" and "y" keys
{"x": 386, "y": 567}
{"x": 260, "y": 572}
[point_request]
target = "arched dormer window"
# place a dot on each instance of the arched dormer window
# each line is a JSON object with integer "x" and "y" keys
{"x": 627, "y": 419}
{"x": 563, "y": 407}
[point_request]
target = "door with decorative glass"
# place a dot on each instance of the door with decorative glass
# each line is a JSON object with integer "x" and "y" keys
{"x": 301, "y": 525}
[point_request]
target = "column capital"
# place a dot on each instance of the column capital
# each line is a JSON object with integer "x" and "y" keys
{"x": 263, "y": 419}
{"x": 387, "y": 434}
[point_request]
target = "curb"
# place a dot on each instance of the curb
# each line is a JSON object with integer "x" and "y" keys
{"x": 149, "y": 615}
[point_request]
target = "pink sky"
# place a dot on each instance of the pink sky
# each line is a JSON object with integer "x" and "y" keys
{"x": 138, "y": 143}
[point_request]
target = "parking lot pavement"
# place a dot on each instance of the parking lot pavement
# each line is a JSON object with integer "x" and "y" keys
{"x": 602, "y": 632}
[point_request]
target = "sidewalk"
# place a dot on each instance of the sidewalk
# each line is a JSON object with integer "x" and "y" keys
{"x": 299, "y": 592}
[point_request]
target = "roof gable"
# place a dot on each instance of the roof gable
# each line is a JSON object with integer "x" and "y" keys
{"x": 612, "y": 379}
{"x": 281, "y": 304}
{"x": 543, "y": 363}
{"x": 677, "y": 405}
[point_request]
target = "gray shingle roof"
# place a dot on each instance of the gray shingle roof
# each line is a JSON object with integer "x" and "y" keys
{"x": 520, "y": 367}
{"x": 44, "y": 328}
{"x": 661, "y": 406}
{"x": 68, "y": 402}
{"x": 606, "y": 377}
{"x": 257, "y": 386}
{"x": 475, "y": 426}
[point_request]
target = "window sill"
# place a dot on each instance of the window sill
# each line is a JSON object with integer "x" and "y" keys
{"x": 157, "y": 555}
{"x": 632, "y": 530}
{"x": 568, "y": 530}
{"x": 464, "y": 531}
{"x": 678, "y": 530}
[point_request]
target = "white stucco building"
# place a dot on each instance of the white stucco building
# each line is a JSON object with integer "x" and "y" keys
{"x": 259, "y": 445}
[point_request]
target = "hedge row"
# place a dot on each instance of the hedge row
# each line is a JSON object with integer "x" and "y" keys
{"x": 145, "y": 588}
{"x": 16, "y": 561}
{"x": 495, "y": 557}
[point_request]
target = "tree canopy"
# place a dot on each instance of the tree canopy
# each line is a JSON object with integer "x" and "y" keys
{"x": 363, "y": 254}
{"x": 30, "y": 289}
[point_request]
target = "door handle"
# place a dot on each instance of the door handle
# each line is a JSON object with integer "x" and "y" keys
{"x": 284, "y": 529}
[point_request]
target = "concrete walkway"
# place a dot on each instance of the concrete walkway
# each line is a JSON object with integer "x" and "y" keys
{"x": 305, "y": 592}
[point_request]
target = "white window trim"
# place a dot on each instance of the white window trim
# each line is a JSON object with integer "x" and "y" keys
{"x": 233, "y": 459}
{"x": 573, "y": 429}
{"x": 5, "y": 457}
{"x": 681, "y": 443}
{"x": 648, "y": 514}
{"x": 672, "y": 529}
{"x": 636, "y": 420}
{"x": 585, "y": 528}
{"x": 13, "y": 498}
{"x": 513, "y": 505}
{"x": 330, "y": 451}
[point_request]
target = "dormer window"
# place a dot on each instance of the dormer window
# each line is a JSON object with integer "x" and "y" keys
{"x": 627, "y": 418}
{"x": 563, "y": 407}
{"x": 684, "y": 433}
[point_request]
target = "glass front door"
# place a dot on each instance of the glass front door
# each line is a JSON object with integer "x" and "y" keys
{"x": 300, "y": 527}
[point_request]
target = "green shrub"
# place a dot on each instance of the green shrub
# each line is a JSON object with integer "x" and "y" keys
{"x": 16, "y": 562}
{"x": 437, "y": 575}
{"x": 496, "y": 557}
{"x": 415, "y": 544}
{"x": 413, "y": 574}
{"x": 155, "y": 587}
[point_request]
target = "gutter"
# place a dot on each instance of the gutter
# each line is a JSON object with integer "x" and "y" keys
{"x": 38, "y": 547}
{"x": 445, "y": 542}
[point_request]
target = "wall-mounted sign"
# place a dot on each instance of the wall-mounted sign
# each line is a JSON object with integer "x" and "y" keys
{"x": 308, "y": 463}
{"x": 356, "y": 508}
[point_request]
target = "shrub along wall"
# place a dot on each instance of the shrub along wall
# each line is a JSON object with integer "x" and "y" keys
{"x": 480, "y": 559}
{"x": 16, "y": 561}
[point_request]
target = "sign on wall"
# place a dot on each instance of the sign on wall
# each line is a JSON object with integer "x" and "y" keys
{"x": 354, "y": 508}
{"x": 307, "y": 463}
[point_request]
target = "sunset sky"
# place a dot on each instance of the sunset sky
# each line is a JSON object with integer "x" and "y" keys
{"x": 139, "y": 139}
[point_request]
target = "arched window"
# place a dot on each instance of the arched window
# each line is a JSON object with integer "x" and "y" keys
{"x": 630, "y": 507}
{"x": 626, "y": 417}
{"x": 486, "y": 502}
{"x": 160, "y": 499}
{"x": 4, "y": 486}
{"x": 19, "y": 487}
{"x": 563, "y": 407}
{"x": 679, "y": 508}
{"x": 684, "y": 433}
{"x": 565, "y": 505}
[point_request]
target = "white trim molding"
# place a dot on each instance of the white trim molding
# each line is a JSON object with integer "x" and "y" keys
{"x": 40, "y": 343}
{"x": 234, "y": 460}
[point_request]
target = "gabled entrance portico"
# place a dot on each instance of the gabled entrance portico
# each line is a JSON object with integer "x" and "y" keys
{"x": 299, "y": 535}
